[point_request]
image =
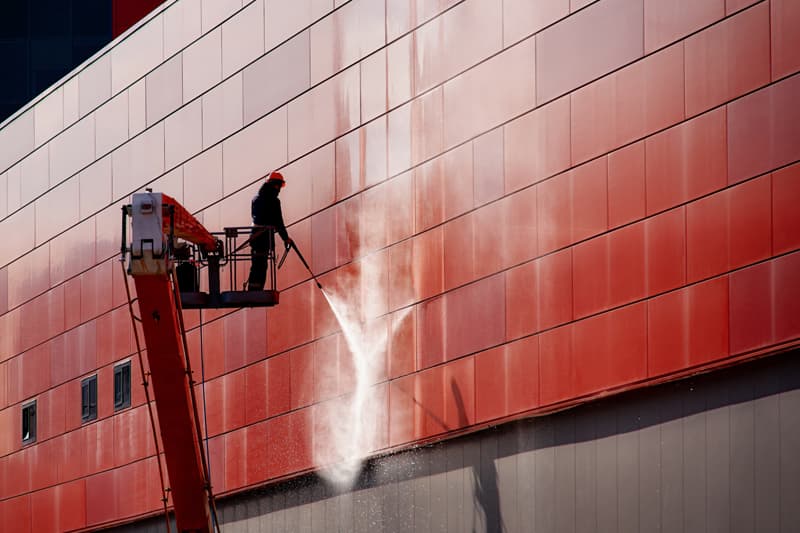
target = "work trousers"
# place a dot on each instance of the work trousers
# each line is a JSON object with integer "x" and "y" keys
{"x": 262, "y": 246}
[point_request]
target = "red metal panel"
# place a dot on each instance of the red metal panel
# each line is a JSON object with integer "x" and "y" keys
{"x": 42, "y": 458}
{"x": 100, "y": 444}
{"x": 255, "y": 408}
{"x": 427, "y": 126}
{"x": 785, "y": 38}
{"x": 257, "y": 453}
{"x": 507, "y": 379}
{"x": 785, "y": 215}
{"x": 290, "y": 443}
{"x": 73, "y": 448}
{"x": 101, "y": 491}
{"x": 518, "y": 230}
{"x": 686, "y": 161}
{"x": 302, "y": 377}
{"x": 610, "y": 349}
{"x": 667, "y": 22}
{"x": 235, "y": 397}
{"x": 459, "y": 252}
{"x": 17, "y": 514}
{"x": 490, "y": 384}
{"x": 234, "y": 335}
{"x": 459, "y": 393}
{"x": 786, "y": 294}
{"x": 279, "y": 384}
{"x": 626, "y": 195}
{"x": 429, "y": 395}
{"x": 556, "y": 365}
{"x": 729, "y": 229}
{"x": 688, "y": 327}
{"x": 763, "y": 129}
{"x": 217, "y": 463}
{"x": 727, "y": 60}
{"x": 215, "y": 407}
{"x": 488, "y": 167}
{"x": 292, "y": 320}
{"x": 401, "y": 410}
{"x": 431, "y": 324}
{"x": 235, "y": 459}
{"x": 564, "y": 62}
{"x": 18, "y": 476}
{"x": 402, "y": 343}
{"x": 45, "y": 517}
{"x": 536, "y": 145}
{"x": 71, "y": 507}
{"x": 665, "y": 249}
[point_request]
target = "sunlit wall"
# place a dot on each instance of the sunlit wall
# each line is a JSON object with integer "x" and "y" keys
{"x": 535, "y": 202}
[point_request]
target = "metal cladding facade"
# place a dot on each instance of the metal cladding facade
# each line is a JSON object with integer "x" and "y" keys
{"x": 572, "y": 199}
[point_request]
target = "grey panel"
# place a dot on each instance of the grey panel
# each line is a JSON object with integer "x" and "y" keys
{"x": 694, "y": 461}
{"x": 715, "y": 453}
{"x": 742, "y": 476}
{"x": 790, "y": 461}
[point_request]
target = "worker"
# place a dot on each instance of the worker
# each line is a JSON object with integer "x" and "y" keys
{"x": 266, "y": 211}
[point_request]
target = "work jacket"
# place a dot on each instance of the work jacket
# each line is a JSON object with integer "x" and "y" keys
{"x": 266, "y": 211}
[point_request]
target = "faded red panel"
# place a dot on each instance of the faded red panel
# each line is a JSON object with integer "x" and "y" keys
{"x": 667, "y": 22}
{"x": 290, "y": 438}
{"x": 688, "y": 327}
{"x": 235, "y": 397}
{"x": 289, "y": 324}
{"x": 45, "y": 519}
{"x": 255, "y": 340}
{"x": 626, "y": 192}
{"x": 401, "y": 410}
{"x": 729, "y": 229}
{"x": 256, "y": 392}
{"x": 556, "y": 365}
{"x": 572, "y": 206}
{"x": 132, "y": 435}
{"x": 490, "y": 384}
{"x": 99, "y": 440}
{"x": 101, "y": 492}
{"x": 429, "y": 403}
{"x": 234, "y": 336}
{"x": 323, "y": 240}
{"x": 18, "y": 469}
{"x": 235, "y": 459}
{"x": 488, "y": 161}
{"x": 459, "y": 392}
{"x": 215, "y": 406}
{"x": 17, "y": 514}
{"x": 518, "y": 231}
{"x": 731, "y": 6}
{"x": 458, "y": 180}
{"x": 431, "y": 327}
{"x": 73, "y": 448}
{"x": 665, "y": 251}
{"x": 428, "y": 263}
{"x": 785, "y": 215}
{"x": 610, "y": 349}
{"x": 427, "y": 126}
{"x": 536, "y": 145}
{"x": 728, "y": 60}
{"x": 459, "y": 252}
{"x": 72, "y": 506}
{"x": 216, "y": 463}
{"x": 401, "y": 283}
{"x": 522, "y": 17}
{"x": 41, "y": 459}
{"x": 257, "y": 453}
{"x": 763, "y": 129}
{"x": 302, "y": 376}
{"x": 475, "y": 317}
{"x": 279, "y": 384}
{"x": 592, "y": 276}
{"x": 429, "y": 194}
{"x": 609, "y": 270}
{"x": 785, "y": 38}
{"x": 504, "y": 84}
{"x": 402, "y": 343}
{"x": 686, "y": 161}
{"x": 786, "y": 291}
{"x": 564, "y": 62}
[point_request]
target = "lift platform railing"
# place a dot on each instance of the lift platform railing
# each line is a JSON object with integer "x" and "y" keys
{"x": 194, "y": 260}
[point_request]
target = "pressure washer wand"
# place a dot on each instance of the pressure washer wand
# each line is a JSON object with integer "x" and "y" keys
{"x": 303, "y": 259}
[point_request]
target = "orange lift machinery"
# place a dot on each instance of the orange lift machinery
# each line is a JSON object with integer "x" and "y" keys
{"x": 168, "y": 251}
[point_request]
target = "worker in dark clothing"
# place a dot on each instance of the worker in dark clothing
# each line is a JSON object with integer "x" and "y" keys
{"x": 266, "y": 211}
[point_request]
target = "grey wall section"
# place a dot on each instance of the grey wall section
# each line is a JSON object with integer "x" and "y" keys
{"x": 715, "y": 453}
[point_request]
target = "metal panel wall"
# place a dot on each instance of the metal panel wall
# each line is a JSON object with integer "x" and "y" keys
{"x": 712, "y": 453}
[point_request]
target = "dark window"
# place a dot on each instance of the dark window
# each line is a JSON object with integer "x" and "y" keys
{"x": 89, "y": 399}
{"x": 122, "y": 386}
{"x": 29, "y": 422}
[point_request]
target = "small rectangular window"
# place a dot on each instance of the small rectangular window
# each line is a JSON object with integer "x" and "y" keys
{"x": 122, "y": 386}
{"x": 29, "y": 422}
{"x": 89, "y": 399}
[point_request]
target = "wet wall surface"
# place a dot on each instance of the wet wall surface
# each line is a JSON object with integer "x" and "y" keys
{"x": 536, "y": 203}
{"x": 711, "y": 453}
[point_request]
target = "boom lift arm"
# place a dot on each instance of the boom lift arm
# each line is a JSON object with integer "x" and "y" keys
{"x": 158, "y": 222}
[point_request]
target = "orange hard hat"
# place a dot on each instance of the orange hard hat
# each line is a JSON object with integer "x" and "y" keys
{"x": 276, "y": 177}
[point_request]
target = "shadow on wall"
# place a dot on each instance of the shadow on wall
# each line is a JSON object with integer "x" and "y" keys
{"x": 486, "y": 481}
